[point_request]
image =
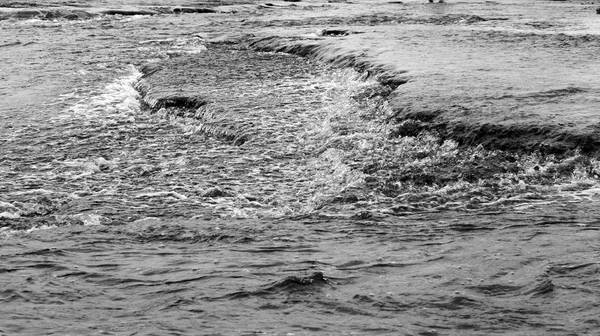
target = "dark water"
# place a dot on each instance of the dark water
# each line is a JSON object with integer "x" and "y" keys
{"x": 437, "y": 274}
{"x": 117, "y": 218}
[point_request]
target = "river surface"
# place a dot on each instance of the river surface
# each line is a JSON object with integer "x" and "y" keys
{"x": 160, "y": 176}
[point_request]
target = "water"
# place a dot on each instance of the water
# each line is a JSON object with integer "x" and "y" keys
{"x": 120, "y": 219}
{"x": 438, "y": 274}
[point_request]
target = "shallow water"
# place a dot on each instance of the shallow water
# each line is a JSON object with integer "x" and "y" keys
{"x": 120, "y": 219}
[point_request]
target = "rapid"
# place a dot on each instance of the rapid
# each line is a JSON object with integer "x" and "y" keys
{"x": 163, "y": 175}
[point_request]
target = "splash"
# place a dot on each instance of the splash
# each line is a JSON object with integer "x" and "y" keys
{"x": 118, "y": 98}
{"x": 424, "y": 172}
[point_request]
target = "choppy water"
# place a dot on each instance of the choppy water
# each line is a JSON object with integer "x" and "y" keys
{"x": 433, "y": 275}
{"x": 118, "y": 221}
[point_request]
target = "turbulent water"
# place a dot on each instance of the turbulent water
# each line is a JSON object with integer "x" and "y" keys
{"x": 161, "y": 176}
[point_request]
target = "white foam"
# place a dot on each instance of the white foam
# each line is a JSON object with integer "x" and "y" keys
{"x": 8, "y": 233}
{"x": 118, "y": 97}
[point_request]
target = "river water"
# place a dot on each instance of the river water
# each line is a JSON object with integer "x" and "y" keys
{"x": 280, "y": 207}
